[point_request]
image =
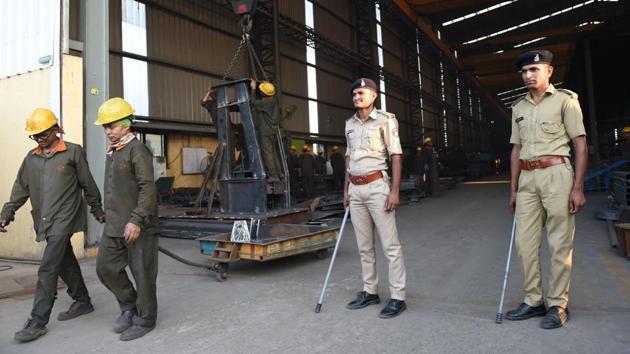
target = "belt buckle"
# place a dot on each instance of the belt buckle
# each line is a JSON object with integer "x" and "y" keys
{"x": 359, "y": 180}
{"x": 535, "y": 164}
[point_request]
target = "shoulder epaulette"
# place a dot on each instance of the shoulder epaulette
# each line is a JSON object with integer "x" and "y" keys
{"x": 516, "y": 101}
{"x": 568, "y": 92}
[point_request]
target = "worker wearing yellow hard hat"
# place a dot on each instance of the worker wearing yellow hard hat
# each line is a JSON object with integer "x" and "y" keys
{"x": 56, "y": 178}
{"x": 40, "y": 120}
{"x": 267, "y": 88}
{"x": 130, "y": 236}
{"x": 113, "y": 110}
{"x": 267, "y": 115}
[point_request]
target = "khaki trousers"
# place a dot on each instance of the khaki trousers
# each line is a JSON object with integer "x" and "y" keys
{"x": 367, "y": 209}
{"x": 543, "y": 200}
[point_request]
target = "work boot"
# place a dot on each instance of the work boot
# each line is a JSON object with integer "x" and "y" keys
{"x": 555, "y": 317}
{"x": 124, "y": 321}
{"x": 31, "y": 331}
{"x": 76, "y": 309}
{"x": 393, "y": 308}
{"x": 524, "y": 311}
{"x": 363, "y": 299}
{"x": 135, "y": 331}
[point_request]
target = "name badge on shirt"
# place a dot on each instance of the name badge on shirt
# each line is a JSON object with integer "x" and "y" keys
{"x": 519, "y": 119}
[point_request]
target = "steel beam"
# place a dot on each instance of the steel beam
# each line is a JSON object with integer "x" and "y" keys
{"x": 96, "y": 91}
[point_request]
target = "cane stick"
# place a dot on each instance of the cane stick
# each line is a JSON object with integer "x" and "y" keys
{"x": 318, "y": 308}
{"x": 499, "y": 318}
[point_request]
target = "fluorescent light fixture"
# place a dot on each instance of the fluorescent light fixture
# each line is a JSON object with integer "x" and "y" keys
{"x": 499, "y": 51}
{"x": 560, "y": 12}
{"x": 590, "y": 23}
{"x": 529, "y": 42}
{"x": 473, "y": 14}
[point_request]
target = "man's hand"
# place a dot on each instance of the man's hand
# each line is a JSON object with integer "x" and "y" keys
{"x": 512, "y": 202}
{"x": 252, "y": 84}
{"x": 132, "y": 232}
{"x": 4, "y": 223}
{"x": 576, "y": 201}
{"x": 392, "y": 201}
{"x": 101, "y": 219}
{"x": 208, "y": 96}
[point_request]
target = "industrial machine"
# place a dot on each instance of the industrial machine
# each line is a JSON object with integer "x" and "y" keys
{"x": 246, "y": 194}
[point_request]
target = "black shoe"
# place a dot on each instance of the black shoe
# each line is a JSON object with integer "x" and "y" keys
{"x": 76, "y": 309}
{"x": 124, "y": 321}
{"x": 31, "y": 331}
{"x": 363, "y": 299}
{"x": 393, "y": 308}
{"x": 135, "y": 331}
{"x": 555, "y": 317}
{"x": 524, "y": 311}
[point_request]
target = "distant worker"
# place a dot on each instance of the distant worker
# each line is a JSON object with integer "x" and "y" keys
{"x": 545, "y": 191}
{"x": 372, "y": 139}
{"x": 307, "y": 170}
{"x": 131, "y": 233}
{"x": 55, "y": 177}
{"x": 266, "y": 115}
{"x": 320, "y": 163}
{"x": 430, "y": 167}
{"x": 338, "y": 163}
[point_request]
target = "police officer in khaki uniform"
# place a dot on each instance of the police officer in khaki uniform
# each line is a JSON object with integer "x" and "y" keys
{"x": 545, "y": 191}
{"x": 372, "y": 138}
{"x": 131, "y": 233}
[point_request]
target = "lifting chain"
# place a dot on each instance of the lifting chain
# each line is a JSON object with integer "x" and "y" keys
{"x": 255, "y": 65}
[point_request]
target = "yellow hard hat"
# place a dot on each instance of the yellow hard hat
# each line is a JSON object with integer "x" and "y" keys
{"x": 335, "y": 148}
{"x": 305, "y": 148}
{"x": 267, "y": 88}
{"x": 626, "y": 130}
{"x": 419, "y": 148}
{"x": 112, "y": 110}
{"x": 427, "y": 140}
{"x": 40, "y": 120}
{"x": 293, "y": 148}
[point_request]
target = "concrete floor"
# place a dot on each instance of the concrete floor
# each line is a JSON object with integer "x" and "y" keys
{"x": 455, "y": 251}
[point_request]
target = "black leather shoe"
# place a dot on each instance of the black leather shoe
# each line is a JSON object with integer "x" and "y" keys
{"x": 524, "y": 311}
{"x": 555, "y": 317}
{"x": 135, "y": 331}
{"x": 393, "y": 308}
{"x": 124, "y": 321}
{"x": 363, "y": 299}
{"x": 76, "y": 309}
{"x": 31, "y": 331}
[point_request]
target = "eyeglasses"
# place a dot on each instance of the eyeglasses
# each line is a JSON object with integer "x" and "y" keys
{"x": 42, "y": 136}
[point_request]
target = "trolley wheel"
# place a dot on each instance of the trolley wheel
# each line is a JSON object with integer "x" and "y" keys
{"x": 322, "y": 254}
{"x": 221, "y": 269}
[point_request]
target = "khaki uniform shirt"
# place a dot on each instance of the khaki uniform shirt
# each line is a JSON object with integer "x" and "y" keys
{"x": 371, "y": 143}
{"x": 545, "y": 129}
{"x": 130, "y": 192}
{"x": 56, "y": 186}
